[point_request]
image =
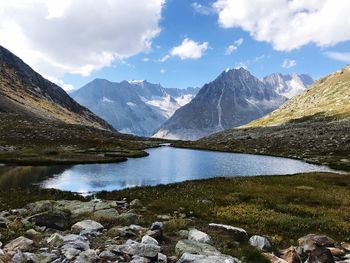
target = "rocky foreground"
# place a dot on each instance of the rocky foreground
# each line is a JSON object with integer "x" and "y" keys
{"x": 112, "y": 231}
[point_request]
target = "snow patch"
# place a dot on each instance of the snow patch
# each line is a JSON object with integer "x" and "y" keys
{"x": 136, "y": 81}
{"x": 105, "y": 99}
{"x": 131, "y": 104}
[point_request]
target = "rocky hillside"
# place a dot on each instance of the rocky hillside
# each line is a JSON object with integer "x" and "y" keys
{"x": 134, "y": 107}
{"x": 235, "y": 98}
{"x": 24, "y": 92}
{"x": 329, "y": 97}
{"x": 288, "y": 85}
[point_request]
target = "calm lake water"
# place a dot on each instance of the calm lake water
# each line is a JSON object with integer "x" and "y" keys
{"x": 164, "y": 165}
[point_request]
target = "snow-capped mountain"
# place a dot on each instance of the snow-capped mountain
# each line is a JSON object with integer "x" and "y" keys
{"x": 235, "y": 98}
{"x": 136, "y": 107}
{"x": 288, "y": 85}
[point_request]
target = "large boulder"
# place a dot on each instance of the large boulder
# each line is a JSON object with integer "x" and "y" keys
{"x": 128, "y": 218}
{"x": 260, "y": 242}
{"x": 311, "y": 241}
{"x": 139, "y": 249}
{"x": 195, "y": 247}
{"x": 21, "y": 243}
{"x": 57, "y": 220}
{"x": 320, "y": 255}
{"x": 109, "y": 214}
{"x": 196, "y": 235}
{"x": 87, "y": 227}
{"x": 191, "y": 258}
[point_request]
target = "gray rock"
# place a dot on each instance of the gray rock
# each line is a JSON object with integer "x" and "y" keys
{"x": 136, "y": 203}
{"x": 235, "y": 230}
{"x": 88, "y": 256}
{"x": 138, "y": 259}
{"x": 57, "y": 220}
{"x": 19, "y": 257}
{"x": 128, "y": 218}
{"x": 55, "y": 240}
{"x": 32, "y": 233}
{"x": 195, "y": 247}
{"x": 71, "y": 253}
{"x": 191, "y": 258}
{"x": 162, "y": 258}
{"x": 21, "y": 243}
{"x": 149, "y": 240}
{"x": 183, "y": 233}
{"x": 107, "y": 214}
{"x": 1, "y": 253}
{"x": 134, "y": 248}
{"x": 108, "y": 255}
{"x": 87, "y": 226}
{"x": 261, "y": 243}
{"x": 76, "y": 242}
{"x": 157, "y": 226}
{"x": 311, "y": 242}
{"x": 196, "y": 235}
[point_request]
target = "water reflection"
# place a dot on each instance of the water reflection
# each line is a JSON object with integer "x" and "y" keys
{"x": 164, "y": 165}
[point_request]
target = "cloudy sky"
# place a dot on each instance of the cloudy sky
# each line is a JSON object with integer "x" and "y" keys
{"x": 177, "y": 43}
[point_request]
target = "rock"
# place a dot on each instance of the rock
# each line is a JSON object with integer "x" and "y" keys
{"x": 1, "y": 253}
{"x": 195, "y": 247}
{"x": 107, "y": 255}
{"x": 138, "y": 259}
{"x": 149, "y": 240}
{"x": 87, "y": 227}
{"x": 18, "y": 257}
{"x": 291, "y": 255}
{"x": 162, "y": 258}
{"x": 134, "y": 248}
{"x": 55, "y": 240}
{"x": 164, "y": 217}
{"x": 199, "y": 236}
{"x": 71, "y": 253}
{"x": 32, "y": 233}
{"x": 191, "y": 258}
{"x": 122, "y": 231}
{"x": 42, "y": 257}
{"x": 88, "y": 256}
{"x": 21, "y": 243}
{"x": 107, "y": 214}
{"x": 336, "y": 252}
{"x": 274, "y": 259}
{"x": 183, "y": 233}
{"x": 346, "y": 246}
{"x": 76, "y": 242}
{"x": 57, "y": 220}
{"x": 3, "y": 222}
{"x": 236, "y": 231}
{"x": 320, "y": 255}
{"x": 312, "y": 241}
{"x": 157, "y": 226}
{"x": 136, "y": 203}
{"x": 156, "y": 234}
{"x": 261, "y": 243}
{"x": 128, "y": 218}
{"x": 20, "y": 211}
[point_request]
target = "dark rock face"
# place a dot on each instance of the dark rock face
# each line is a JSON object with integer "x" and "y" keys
{"x": 233, "y": 99}
{"x": 57, "y": 220}
{"x": 25, "y": 92}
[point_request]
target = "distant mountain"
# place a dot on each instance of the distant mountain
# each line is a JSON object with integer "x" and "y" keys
{"x": 134, "y": 107}
{"x": 288, "y": 85}
{"x": 24, "y": 92}
{"x": 329, "y": 97}
{"x": 235, "y": 98}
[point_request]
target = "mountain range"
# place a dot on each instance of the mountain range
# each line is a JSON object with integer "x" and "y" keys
{"x": 233, "y": 99}
{"x": 135, "y": 107}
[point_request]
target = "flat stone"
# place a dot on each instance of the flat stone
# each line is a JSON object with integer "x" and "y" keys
{"x": 21, "y": 243}
{"x": 195, "y": 247}
{"x": 87, "y": 226}
{"x": 57, "y": 220}
{"x": 134, "y": 248}
{"x": 233, "y": 229}
{"x": 191, "y": 258}
{"x": 260, "y": 242}
{"x": 196, "y": 235}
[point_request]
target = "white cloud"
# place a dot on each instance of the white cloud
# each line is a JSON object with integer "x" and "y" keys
{"x": 340, "y": 56}
{"x": 246, "y": 63}
{"x": 233, "y": 47}
{"x": 77, "y": 36}
{"x": 288, "y": 24}
{"x": 289, "y": 63}
{"x": 145, "y": 59}
{"x": 188, "y": 49}
{"x": 162, "y": 71}
{"x": 201, "y": 9}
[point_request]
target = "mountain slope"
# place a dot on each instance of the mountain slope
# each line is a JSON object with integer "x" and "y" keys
{"x": 329, "y": 97}
{"x": 233, "y": 99}
{"x": 135, "y": 107}
{"x": 25, "y": 92}
{"x": 288, "y": 85}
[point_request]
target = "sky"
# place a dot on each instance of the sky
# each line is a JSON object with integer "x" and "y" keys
{"x": 177, "y": 43}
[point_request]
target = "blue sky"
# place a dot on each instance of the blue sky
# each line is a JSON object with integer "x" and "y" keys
{"x": 210, "y": 29}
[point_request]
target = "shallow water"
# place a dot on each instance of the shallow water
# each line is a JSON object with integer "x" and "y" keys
{"x": 164, "y": 165}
